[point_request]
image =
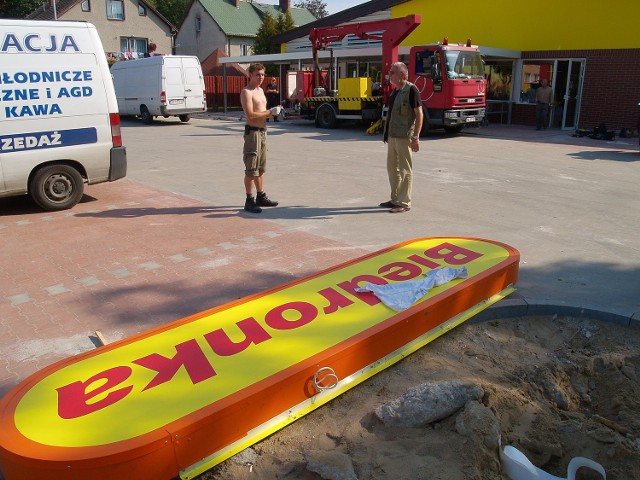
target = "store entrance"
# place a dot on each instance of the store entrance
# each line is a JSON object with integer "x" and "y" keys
{"x": 567, "y": 91}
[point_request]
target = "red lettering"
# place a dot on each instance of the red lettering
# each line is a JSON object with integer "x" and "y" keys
{"x": 452, "y": 254}
{"x": 367, "y": 297}
{"x": 424, "y": 261}
{"x": 400, "y": 271}
{"x": 188, "y": 354}
{"x": 222, "y": 345}
{"x": 336, "y": 300}
{"x": 275, "y": 318}
{"x": 73, "y": 399}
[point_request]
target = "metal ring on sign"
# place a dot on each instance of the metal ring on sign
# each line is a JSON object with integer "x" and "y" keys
{"x": 328, "y": 374}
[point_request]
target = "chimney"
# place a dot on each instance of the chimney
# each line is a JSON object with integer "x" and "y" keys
{"x": 285, "y": 6}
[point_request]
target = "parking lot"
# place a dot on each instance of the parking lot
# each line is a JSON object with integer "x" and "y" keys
{"x": 172, "y": 240}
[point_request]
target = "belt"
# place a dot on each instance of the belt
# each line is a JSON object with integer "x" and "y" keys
{"x": 250, "y": 128}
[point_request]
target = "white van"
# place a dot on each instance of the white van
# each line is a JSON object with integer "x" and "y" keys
{"x": 162, "y": 85}
{"x": 59, "y": 122}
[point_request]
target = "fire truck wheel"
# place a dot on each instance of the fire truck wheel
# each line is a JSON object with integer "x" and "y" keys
{"x": 326, "y": 116}
{"x": 425, "y": 123}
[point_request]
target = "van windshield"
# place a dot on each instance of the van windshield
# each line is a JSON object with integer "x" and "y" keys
{"x": 464, "y": 64}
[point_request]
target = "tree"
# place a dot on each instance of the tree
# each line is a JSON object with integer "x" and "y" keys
{"x": 172, "y": 10}
{"x": 269, "y": 29}
{"x": 18, "y": 8}
{"x": 285, "y": 22}
{"x": 317, "y": 7}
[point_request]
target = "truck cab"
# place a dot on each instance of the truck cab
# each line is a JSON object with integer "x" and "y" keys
{"x": 450, "y": 79}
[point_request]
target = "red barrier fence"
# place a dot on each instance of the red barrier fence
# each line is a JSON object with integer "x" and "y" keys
{"x": 214, "y": 90}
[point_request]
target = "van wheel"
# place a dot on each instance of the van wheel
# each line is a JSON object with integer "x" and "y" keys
{"x": 184, "y": 118}
{"x": 146, "y": 115}
{"x": 56, "y": 187}
{"x": 326, "y": 116}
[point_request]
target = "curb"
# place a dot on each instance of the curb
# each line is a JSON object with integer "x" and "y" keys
{"x": 521, "y": 307}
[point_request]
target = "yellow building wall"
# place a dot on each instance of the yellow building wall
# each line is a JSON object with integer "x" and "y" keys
{"x": 553, "y": 25}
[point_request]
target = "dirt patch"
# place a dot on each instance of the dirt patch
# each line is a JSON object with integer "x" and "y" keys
{"x": 557, "y": 387}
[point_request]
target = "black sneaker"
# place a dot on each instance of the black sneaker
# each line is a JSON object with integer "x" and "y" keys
{"x": 250, "y": 205}
{"x": 265, "y": 201}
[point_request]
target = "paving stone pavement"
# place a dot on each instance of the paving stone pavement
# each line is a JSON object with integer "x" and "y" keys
{"x": 133, "y": 255}
{"x": 127, "y": 260}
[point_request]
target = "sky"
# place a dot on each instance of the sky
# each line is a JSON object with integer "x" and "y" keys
{"x": 335, "y": 6}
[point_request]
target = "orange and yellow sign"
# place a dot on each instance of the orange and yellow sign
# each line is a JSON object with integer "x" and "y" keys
{"x": 181, "y": 398}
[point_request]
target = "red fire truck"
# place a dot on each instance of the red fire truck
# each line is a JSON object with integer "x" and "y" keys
{"x": 450, "y": 78}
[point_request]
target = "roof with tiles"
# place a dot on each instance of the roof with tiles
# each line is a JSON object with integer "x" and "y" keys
{"x": 343, "y": 16}
{"x": 45, "y": 11}
{"x": 211, "y": 66}
{"x": 245, "y": 20}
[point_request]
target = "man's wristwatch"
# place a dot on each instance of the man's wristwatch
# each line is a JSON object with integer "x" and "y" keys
{"x": 415, "y": 137}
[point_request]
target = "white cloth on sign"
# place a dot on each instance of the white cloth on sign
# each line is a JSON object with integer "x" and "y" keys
{"x": 402, "y": 295}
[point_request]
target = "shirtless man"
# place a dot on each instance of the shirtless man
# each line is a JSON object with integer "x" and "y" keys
{"x": 254, "y": 104}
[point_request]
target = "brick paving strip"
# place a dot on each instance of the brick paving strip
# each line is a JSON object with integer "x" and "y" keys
{"x": 130, "y": 258}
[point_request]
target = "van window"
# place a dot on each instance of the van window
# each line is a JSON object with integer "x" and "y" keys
{"x": 174, "y": 76}
{"x": 191, "y": 76}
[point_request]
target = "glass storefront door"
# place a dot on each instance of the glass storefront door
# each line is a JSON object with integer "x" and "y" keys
{"x": 567, "y": 91}
{"x": 566, "y": 77}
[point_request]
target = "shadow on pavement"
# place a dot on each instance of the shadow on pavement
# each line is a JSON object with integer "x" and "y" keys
{"x": 610, "y": 155}
{"x": 23, "y": 205}
{"x": 296, "y": 211}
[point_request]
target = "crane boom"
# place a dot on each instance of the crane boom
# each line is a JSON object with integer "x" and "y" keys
{"x": 390, "y": 33}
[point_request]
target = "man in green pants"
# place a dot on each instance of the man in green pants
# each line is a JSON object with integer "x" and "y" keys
{"x": 402, "y": 136}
